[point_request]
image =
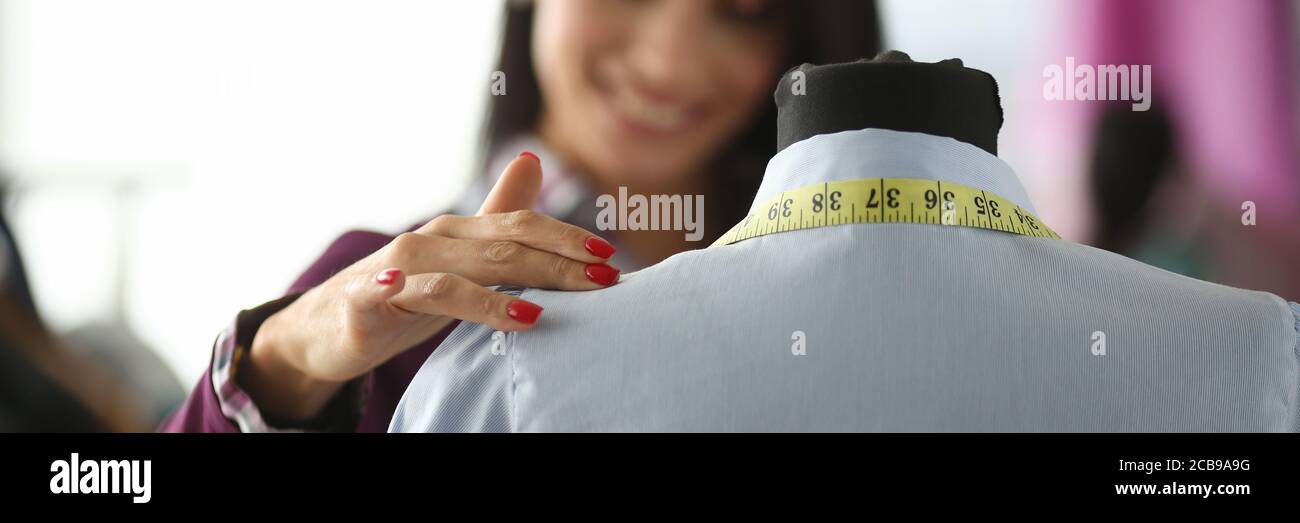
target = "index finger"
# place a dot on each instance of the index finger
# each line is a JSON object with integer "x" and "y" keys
{"x": 517, "y": 188}
{"x": 535, "y": 230}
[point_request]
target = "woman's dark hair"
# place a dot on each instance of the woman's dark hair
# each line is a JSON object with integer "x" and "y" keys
{"x": 821, "y": 32}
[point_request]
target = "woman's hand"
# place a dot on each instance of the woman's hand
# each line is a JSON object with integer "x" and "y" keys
{"x": 414, "y": 287}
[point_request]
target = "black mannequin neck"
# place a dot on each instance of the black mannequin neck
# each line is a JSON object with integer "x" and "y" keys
{"x": 890, "y": 92}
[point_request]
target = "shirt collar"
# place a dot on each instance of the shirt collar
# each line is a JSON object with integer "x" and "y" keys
{"x": 882, "y": 153}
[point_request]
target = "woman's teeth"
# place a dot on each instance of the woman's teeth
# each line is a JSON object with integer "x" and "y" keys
{"x": 649, "y": 113}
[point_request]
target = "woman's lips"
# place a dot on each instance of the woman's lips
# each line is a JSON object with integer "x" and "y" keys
{"x": 643, "y": 116}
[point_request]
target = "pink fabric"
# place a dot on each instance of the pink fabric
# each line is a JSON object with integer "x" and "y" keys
{"x": 1224, "y": 71}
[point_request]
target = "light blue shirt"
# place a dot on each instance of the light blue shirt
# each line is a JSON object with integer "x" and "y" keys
{"x": 878, "y": 327}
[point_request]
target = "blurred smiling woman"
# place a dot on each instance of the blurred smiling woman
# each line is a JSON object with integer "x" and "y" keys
{"x": 667, "y": 97}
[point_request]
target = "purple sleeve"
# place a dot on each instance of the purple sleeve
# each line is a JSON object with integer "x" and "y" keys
{"x": 200, "y": 412}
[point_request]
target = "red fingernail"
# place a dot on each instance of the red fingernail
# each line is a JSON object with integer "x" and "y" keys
{"x": 598, "y": 247}
{"x": 523, "y": 311}
{"x": 602, "y": 274}
{"x": 531, "y": 155}
{"x": 387, "y": 277}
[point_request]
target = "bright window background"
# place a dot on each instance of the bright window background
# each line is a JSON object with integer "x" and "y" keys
{"x": 175, "y": 161}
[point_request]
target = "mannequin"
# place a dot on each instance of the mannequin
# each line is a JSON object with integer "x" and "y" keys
{"x": 898, "y": 326}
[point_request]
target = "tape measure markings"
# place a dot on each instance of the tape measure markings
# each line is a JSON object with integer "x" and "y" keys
{"x": 835, "y": 203}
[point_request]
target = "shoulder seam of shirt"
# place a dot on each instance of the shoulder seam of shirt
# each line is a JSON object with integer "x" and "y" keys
{"x": 513, "y": 338}
{"x": 514, "y": 404}
{"x": 1295, "y": 313}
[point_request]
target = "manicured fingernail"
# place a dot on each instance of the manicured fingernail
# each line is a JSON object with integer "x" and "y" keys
{"x": 387, "y": 277}
{"x": 602, "y": 274}
{"x": 531, "y": 155}
{"x": 598, "y": 247}
{"x": 523, "y": 311}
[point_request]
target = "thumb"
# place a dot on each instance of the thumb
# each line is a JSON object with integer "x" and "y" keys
{"x": 517, "y": 188}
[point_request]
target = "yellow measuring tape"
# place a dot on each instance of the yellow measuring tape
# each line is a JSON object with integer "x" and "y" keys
{"x": 886, "y": 200}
